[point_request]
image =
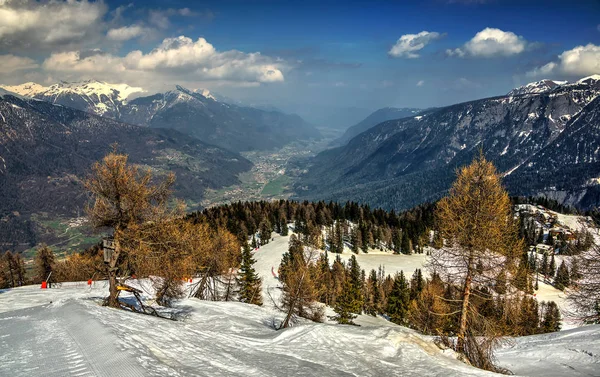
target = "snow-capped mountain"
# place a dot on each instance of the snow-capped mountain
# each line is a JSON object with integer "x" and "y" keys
{"x": 400, "y": 163}
{"x": 198, "y": 113}
{"x": 97, "y": 97}
{"x": 537, "y": 87}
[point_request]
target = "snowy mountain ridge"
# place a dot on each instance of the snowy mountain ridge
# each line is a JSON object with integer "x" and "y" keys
{"x": 537, "y": 87}
{"x": 519, "y": 134}
{"x": 545, "y": 85}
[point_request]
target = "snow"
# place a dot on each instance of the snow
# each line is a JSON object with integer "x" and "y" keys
{"x": 566, "y": 353}
{"x": 84, "y": 88}
{"x": 205, "y": 93}
{"x": 74, "y": 335}
{"x": 592, "y": 77}
{"x": 65, "y": 331}
{"x": 29, "y": 89}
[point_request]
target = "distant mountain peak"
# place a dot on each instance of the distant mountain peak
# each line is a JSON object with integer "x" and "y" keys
{"x": 28, "y": 89}
{"x": 86, "y": 88}
{"x": 203, "y": 92}
{"x": 589, "y": 79}
{"x": 537, "y": 87}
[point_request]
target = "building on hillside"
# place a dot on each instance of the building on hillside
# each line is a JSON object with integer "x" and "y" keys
{"x": 541, "y": 248}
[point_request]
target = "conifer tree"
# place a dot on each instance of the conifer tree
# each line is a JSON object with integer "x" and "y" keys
{"x": 123, "y": 198}
{"x": 44, "y": 264}
{"x": 551, "y": 318}
{"x": 416, "y": 284}
{"x": 544, "y": 269}
{"x": 299, "y": 298}
{"x": 405, "y": 246}
{"x": 476, "y": 222}
{"x": 265, "y": 232}
{"x": 345, "y": 305}
{"x": 248, "y": 280}
{"x": 355, "y": 285}
{"x": 562, "y": 277}
{"x": 399, "y": 300}
{"x": 552, "y": 267}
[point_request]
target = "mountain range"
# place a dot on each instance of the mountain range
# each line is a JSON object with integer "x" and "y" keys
{"x": 47, "y": 149}
{"x": 198, "y": 113}
{"x": 543, "y": 138}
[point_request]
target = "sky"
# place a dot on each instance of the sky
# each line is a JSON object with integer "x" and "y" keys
{"x": 304, "y": 56}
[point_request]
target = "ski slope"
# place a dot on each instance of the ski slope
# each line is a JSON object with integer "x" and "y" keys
{"x": 65, "y": 332}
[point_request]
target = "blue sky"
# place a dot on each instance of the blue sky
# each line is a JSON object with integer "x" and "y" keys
{"x": 305, "y": 55}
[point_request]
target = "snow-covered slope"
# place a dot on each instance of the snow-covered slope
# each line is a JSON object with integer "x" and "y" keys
{"x": 573, "y": 353}
{"x": 64, "y": 331}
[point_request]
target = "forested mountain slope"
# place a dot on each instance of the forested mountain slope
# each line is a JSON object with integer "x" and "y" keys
{"x": 400, "y": 163}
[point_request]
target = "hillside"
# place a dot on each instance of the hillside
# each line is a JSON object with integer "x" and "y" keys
{"x": 64, "y": 330}
{"x": 46, "y": 150}
{"x": 400, "y": 163}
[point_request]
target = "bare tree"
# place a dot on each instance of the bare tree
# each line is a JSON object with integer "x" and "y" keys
{"x": 584, "y": 297}
{"x": 480, "y": 235}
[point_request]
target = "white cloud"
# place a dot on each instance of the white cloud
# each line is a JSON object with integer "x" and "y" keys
{"x": 579, "y": 61}
{"x": 408, "y": 45}
{"x": 174, "y": 58}
{"x": 491, "y": 42}
{"x": 421, "y": 83}
{"x": 34, "y": 25}
{"x": 11, "y": 63}
{"x": 126, "y": 33}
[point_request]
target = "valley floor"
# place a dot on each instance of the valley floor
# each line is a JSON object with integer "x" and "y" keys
{"x": 64, "y": 331}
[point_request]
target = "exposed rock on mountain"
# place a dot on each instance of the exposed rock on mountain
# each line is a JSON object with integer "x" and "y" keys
{"x": 400, "y": 163}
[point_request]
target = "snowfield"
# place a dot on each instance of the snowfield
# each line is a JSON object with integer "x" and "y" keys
{"x": 65, "y": 332}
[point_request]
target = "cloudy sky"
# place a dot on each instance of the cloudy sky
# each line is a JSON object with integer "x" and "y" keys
{"x": 304, "y": 55}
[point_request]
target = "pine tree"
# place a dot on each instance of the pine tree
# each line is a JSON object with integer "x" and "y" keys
{"x": 355, "y": 285}
{"x": 398, "y": 300}
{"x": 552, "y": 318}
{"x": 575, "y": 274}
{"x": 552, "y": 267}
{"x": 284, "y": 227}
{"x": 544, "y": 267}
{"x": 405, "y": 246}
{"x": 562, "y": 277}
{"x": 248, "y": 280}
{"x": 416, "y": 284}
{"x": 345, "y": 305}
{"x": 397, "y": 241}
{"x": 265, "y": 232}
{"x": 44, "y": 264}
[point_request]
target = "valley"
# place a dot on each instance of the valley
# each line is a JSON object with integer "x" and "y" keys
{"x": 272, "y": 176}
